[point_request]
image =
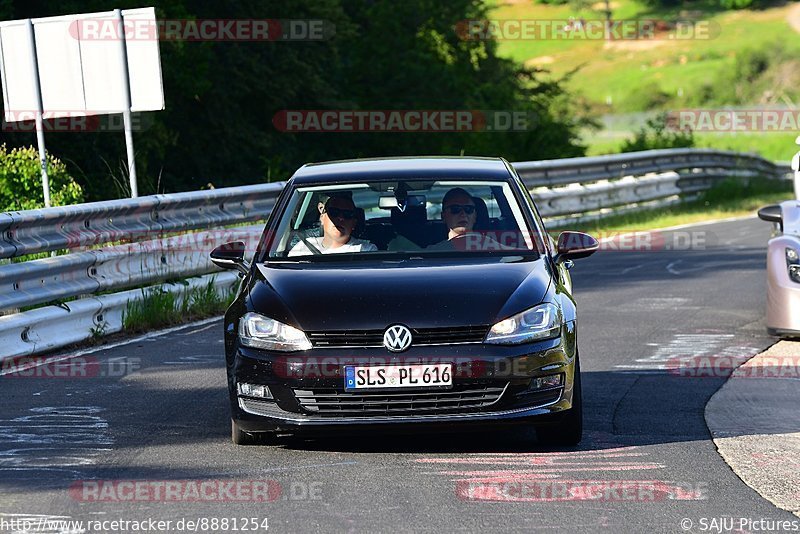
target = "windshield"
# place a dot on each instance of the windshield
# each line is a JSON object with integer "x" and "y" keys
{"x": 447, "y": 217}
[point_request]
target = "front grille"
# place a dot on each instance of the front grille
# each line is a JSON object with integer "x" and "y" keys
{"x": 420, "y": 336}
{"x": 339, "y": 403}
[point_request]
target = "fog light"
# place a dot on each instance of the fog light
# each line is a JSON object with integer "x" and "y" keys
{"x": 546, "y": 382}
{"x": 794, "y": 273}
{"x": 254, "y": 390}
{"x": 792, "y": 256}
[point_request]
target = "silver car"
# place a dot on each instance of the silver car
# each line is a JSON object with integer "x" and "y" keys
{"x": 783, "y": 263}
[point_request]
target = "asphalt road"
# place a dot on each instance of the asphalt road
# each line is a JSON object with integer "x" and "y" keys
{"x": 647, "y": 463}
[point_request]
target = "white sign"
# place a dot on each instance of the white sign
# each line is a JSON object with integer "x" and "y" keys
{"x": 81, "y": 72}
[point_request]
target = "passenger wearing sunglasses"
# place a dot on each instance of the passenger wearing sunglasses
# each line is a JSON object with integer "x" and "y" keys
{"x": 338, "y": 217}
{"x": 459, "y": 214}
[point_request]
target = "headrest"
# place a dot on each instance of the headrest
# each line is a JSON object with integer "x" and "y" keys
{"x": 416, "y": 215}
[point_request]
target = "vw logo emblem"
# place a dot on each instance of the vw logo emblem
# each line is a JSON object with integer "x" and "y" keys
{"x": 397, "y": 338}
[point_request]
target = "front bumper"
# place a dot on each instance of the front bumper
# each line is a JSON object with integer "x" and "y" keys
{"x": 506, "y": 371}
{"x": 783, "y": 293}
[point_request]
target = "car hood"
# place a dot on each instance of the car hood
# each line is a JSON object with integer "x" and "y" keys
{"x": 417, "y": 293}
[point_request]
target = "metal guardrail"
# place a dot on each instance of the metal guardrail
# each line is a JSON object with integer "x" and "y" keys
{"x": 115, "y": 267}
{"x": 81, "y": 225}
{"x": 682, "y": 160}
{"x": 141, "y": 247}
{"x": 52, "y": 327}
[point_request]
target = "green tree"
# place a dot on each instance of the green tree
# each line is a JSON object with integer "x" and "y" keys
{"x": 221, "y": 97}
{"x": 657, "y": 133}
{"x": 21, "y": 181}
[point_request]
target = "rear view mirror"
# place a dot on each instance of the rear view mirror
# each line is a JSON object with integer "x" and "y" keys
{"x": 411, "y": 201}
{"x": 230, "y": 256}
{"x": 574, "y": 245}
{"x": 387, "y": 203}
{"x": 772, "y": 214}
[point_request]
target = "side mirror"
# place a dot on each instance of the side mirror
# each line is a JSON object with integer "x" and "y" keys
{"x": 574, "y": 245}
{"x": 772, "y": 214}
{"x": 230, "y": 256}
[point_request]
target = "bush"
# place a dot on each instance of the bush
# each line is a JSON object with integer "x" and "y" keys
{"x": 159, "y": 308}
{"x": 750, "y": 64}
{"x": 736, "y": 4}
{"x": 21, "y": 181}
{"x": 655, "y": 134}
{"x": 648, "y": 97}
{"x": 762, "y": 74}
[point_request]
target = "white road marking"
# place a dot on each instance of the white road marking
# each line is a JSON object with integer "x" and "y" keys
{"x": 671, "y": 267}
{"x": 629, "y": 269}
{"x": 36, "y": 362}
{"x": 685, "y": 347}
{"x": 54, "y": 439}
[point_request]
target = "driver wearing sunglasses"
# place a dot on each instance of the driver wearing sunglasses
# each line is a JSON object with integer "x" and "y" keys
{"x": 459, "y": 214}
{"x": 338, "y": 218}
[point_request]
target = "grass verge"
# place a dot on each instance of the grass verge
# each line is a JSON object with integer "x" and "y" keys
{"x": 777, "y": 146}
{"x": 730, "y": 198}
{"x": 159, "y": 307}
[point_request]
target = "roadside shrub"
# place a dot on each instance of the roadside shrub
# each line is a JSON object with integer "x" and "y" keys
{"x": 158, "y": 307}
{"x": 751, "y": 63}
{"x": 21, "y": 181}
{"x": 655, "y": 134}
{"x": 648, "y": 97}
{"x": 736, "y": 4}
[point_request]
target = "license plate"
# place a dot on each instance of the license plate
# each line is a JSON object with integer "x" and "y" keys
{"x": 398, "y": 376}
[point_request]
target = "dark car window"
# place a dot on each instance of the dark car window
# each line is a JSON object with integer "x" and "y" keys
{"x": 398, "y": 218}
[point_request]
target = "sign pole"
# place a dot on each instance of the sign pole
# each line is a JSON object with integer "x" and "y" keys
{"x": 39, "y": 119}
{"x": 126, "y": 113}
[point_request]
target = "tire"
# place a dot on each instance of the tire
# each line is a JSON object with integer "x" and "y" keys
{"x": 240, "y": 437}
{"x": 569, "y": 431}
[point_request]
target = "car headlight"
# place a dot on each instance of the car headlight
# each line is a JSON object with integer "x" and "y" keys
{"x": 793, "y": 264}
{"x": 540, "y": 322}
{"x": 264, "y": 333}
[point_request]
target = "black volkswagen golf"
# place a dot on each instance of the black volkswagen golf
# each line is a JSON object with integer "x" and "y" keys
{"x": 404, "y": 292}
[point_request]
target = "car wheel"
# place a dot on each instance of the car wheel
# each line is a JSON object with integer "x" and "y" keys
{"x": 569, "y": 431}
{"x": 240, "y": 437}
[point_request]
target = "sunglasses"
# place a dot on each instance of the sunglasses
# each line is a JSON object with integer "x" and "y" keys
{"x": 338, "y": 213}
{"x": 455, "y": 209}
